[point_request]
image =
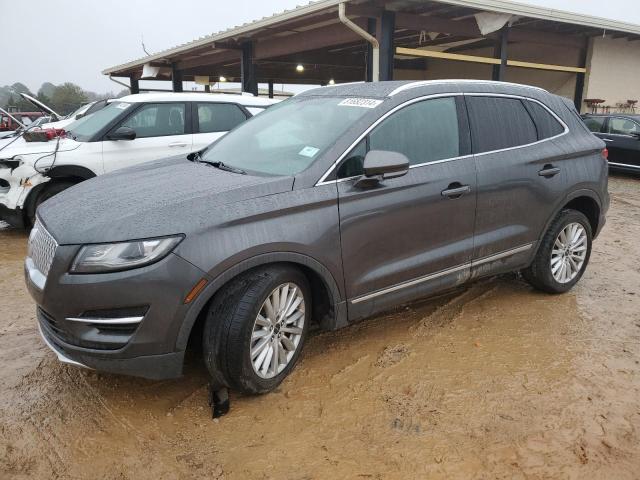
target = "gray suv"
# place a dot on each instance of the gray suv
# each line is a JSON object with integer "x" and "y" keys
{"x": 330, "y": 207}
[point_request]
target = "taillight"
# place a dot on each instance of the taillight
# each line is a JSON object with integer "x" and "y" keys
{"x": 605, "y": 153}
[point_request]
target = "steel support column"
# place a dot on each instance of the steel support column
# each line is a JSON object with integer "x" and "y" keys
{"x": 270, "y": 88}
{"x": 248, "y": 69}
{"x": 501, "y": 48}
{"x": 134, "y": 85}
{"x": 176, "y": 79}
{"x": 387, "y": 48}
{"x": 580, "y": 77}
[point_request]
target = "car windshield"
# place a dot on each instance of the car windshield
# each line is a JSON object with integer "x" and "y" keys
{"x": 87, "y": 127}
{"x": 288, "y": 137}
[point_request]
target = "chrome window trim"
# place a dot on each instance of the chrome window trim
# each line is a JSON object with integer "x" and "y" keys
{"x": 621, "y": 134}
{"x": 442, "y": 273}
{"x": 323, "y": 180}
{"x": 521, "y": 97}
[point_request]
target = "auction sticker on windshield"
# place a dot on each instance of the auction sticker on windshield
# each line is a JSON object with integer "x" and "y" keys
{"x": 360, "y": 102}
{"x": 308, "y": 151}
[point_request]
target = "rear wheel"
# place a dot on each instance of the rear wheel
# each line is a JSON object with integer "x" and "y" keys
{"x": 256, "y": 328}
{"x": 563, "y": 254}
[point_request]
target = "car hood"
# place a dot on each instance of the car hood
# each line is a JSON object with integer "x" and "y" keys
{"x": 39, "y": 105}
{"x": 165, "y": 197}
{"x": 19, "y": 147}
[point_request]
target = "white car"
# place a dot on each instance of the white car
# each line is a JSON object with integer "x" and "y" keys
{"x": 128, "y": 131}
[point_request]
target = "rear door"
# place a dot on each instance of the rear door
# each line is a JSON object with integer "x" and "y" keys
{"x": 213, "y": 120}
{"x": 161, "y": 131}
{"x": 622, "y": 136}
{"x": 518, "y": 184}
{"x": 406, "y": 236}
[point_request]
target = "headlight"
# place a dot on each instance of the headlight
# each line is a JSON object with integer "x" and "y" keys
{"x": 113, "y": 257}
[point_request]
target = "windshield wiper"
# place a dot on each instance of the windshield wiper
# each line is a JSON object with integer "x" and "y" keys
{"x": 223, "y": 166}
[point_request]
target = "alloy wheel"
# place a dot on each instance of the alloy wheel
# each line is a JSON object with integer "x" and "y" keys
{"x": 569, "y": 252}
{"x": 277, "y": 330}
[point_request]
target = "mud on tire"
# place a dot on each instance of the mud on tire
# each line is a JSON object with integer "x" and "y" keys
{"x": 227, "y": 335}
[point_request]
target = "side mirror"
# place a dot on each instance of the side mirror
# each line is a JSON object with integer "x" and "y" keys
{"x": 122, "y": 133}
{"x": 381, "y": 165}
{"x": 79, "y": 116}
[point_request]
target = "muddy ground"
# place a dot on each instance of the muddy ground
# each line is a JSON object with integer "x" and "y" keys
{"x": 495, "y": 381}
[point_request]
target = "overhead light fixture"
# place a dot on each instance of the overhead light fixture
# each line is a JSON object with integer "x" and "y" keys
{"x": 222, "y": 79}
{"x": 332, "y": 82}
{"x": 299, "y": 68}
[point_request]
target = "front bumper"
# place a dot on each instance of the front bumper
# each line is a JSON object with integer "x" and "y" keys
{"x": 70, "y": 307}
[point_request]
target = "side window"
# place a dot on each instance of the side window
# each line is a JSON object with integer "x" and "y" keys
{"x": 425, "y": 132}
{"x": 622, "y": 126}
{"x": 353, "y": 162}
{"x": 594, "y": 124}
{"x": 546, "y": 124}
{"x": 499, "y": 122}
{"x": 157, "y": 120}
{"x": 219, "y": 117}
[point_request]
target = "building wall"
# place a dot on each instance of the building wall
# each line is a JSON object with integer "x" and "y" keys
{"x": 613, "y": 71}
{"x": 560, "y": 83}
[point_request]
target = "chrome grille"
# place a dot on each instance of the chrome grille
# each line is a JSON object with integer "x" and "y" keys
{"x": 42, "y": 248}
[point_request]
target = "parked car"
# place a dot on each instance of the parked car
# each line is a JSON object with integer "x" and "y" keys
{"x": 132, "y": 130}
{"x": 622, "y": 135}
{"x": 12, "y": 122}
{"x": 330, "y": 207}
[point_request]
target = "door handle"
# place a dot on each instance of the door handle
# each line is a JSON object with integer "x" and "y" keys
{"x": 455, "y": 190}
{"x": 549, "y": 171}
{"x": 178, "y": 144}
{"x": 608, "y": 139}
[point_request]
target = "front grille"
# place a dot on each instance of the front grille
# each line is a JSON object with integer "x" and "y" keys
{"x": 42, "y": 248}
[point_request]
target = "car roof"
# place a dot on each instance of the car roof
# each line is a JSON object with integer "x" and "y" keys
{"x": 241, "y": 99}
{"x": 387, "y": 89}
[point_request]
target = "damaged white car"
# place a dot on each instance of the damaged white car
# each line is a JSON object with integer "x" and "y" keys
{"x": 128, "y": 131}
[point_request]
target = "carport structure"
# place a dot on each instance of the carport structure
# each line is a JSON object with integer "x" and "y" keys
{"x": 366, "y": 40}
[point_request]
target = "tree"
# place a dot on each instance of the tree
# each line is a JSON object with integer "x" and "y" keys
{"x": 67, "y": 97}
{"x": 46, "y": 89}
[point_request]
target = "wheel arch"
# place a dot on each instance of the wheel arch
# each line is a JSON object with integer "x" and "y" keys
{"x": 329, "y": 307}
{"x": 74, "y": 173}
{"x": 586, "y": 201}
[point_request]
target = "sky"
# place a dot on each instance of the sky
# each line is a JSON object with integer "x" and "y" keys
{"x": 74, "y": 40}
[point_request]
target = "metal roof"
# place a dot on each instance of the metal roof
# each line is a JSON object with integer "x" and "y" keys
{"x": 314, "y": 7}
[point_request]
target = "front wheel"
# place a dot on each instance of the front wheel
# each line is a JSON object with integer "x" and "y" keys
{"x": 256, "y": 328}
{"x": 50, "y": 190}
{"x": 563, "y": 254}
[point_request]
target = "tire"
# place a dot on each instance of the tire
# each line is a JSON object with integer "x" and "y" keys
{"x": 51, "y": 189}
{"x": 232, "y": 329}
{"x": 560, "y": 278}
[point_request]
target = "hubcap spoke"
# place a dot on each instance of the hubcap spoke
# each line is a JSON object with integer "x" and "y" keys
{"x": 568, "y": 253}
{"x": 277, "y": 330}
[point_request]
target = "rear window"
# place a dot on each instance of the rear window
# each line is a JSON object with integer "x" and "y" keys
{"x": 498, "y": 123}
{"x": 546, "y": 124}
{"x": 219, "y": 117}
{"x": 594, "y": 124}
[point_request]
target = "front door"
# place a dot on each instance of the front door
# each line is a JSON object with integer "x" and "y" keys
{"x": 411, "y": 235}
{"x": 161, "y": 131}
{"x": 622, "y": 136}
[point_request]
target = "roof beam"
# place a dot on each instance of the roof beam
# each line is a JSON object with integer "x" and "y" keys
{"x": 309, "y": 40}
{"x": 469, "y": 28}
{"x": 216, "y": 57}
